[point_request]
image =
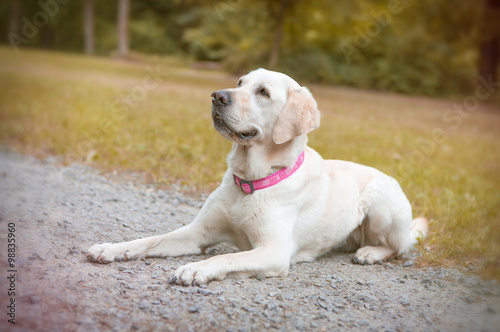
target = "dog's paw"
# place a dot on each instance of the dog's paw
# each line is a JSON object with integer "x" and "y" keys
{"x": 106, "y": 253}
{"x": 369, "y": 255}
{"x": 195, "y": 274}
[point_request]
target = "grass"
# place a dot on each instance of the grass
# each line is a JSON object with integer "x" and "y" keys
{"x": 109, "y": 113}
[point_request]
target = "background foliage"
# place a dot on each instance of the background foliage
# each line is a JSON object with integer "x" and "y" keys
{"x": 428, "y": 47}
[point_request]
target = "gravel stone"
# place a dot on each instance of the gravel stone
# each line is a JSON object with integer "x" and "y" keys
{"x": 144, "y": 305}
{"x": 408, "y": 263}
{"x": 358, "y": 297}
{"x": 194, "y": 309}
{"x": 258, "y": 299}
{"x": 60, "y": 212}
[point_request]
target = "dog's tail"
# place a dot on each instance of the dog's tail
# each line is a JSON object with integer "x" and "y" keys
{"x": 419, "y": 229}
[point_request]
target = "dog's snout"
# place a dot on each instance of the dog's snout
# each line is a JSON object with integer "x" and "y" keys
{"x": 221, "y": 98}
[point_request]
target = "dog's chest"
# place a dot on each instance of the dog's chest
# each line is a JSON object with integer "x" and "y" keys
{"x": 245, "y": 210}
{"x": 249, "y": 217}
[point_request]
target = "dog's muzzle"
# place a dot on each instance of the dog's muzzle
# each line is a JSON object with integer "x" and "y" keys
{"x": 220, "y": 101}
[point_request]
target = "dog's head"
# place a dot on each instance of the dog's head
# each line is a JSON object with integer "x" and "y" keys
{"x": 264, "y": 106}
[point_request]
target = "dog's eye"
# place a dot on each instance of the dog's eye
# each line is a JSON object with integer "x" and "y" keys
{"x": 264, "y": 93}
{"x": 239, "y": 84}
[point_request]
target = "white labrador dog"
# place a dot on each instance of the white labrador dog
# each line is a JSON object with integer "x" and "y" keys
{"x": 279, "y": 201}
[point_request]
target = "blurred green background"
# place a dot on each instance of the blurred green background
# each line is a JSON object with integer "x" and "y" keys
{"x": 424, "y": 47}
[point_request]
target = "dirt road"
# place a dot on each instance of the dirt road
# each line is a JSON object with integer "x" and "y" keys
{"x": 57, "y": 213}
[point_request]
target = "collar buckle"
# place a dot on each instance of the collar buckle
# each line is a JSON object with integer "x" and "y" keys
{"x": 245, "y": 186}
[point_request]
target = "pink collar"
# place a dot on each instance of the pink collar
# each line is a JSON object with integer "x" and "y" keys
{"x": 248, "y": 187}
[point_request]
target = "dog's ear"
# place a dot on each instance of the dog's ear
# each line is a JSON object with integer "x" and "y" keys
{"x": 299, "y": 117}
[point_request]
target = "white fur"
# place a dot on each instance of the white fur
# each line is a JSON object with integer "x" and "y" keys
{"x": 325, "y": 204}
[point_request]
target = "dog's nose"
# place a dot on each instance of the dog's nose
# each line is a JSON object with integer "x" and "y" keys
{"x": 221, "y": 98}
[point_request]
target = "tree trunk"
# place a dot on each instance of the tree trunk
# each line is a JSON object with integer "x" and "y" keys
{"x": 47, "y": 37}
{"x": 15, "y": 6}
{"x": 278, "y": 35}
{"x": 123, "y": 15}
{"x": 489, "y": 50}
{"x": 88, "y": 30}
{"x": 489, "y": 59}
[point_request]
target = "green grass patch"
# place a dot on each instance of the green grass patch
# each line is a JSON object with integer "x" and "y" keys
{"x": 152, "y": 115}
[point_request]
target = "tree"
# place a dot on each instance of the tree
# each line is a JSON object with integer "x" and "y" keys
{"x": 123, "y": 16}
{"x": 490, "y": 45}
{"x": 278, "y": 34}
{"x": 89, "y": 26}
{"x": 14, "y": 16}
{"x": 279, "y": 14}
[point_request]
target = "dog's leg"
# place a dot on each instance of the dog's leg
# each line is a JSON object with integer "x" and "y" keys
{"x": 184, "y": 241}
{"x": 271, "y": 236}
{"x": 385, "y": 232}
{"x": 269, "y": 261}
{"x": 207, "y": 229}
{"x": 371, "y": 254}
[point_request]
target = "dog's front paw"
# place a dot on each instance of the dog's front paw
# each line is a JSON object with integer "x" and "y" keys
{"x": 195, "y": 274}
{"x": 106, "y": 253}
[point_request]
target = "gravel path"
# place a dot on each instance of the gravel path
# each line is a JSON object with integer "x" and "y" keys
{"x": 58, "y": 213}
